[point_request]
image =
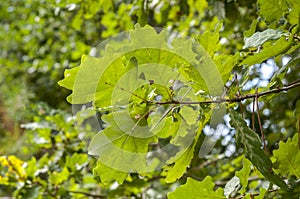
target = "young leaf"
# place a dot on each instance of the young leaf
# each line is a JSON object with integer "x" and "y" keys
{"x": 288, "y": 157}
{"x": 181, "y": 162}
{"x": 183, "y": 157}
{"x": 258, "y": 38}
{"x": 253, "y": 151}
{"x": 195, "y": 189}
{"x": 210, "y": 41}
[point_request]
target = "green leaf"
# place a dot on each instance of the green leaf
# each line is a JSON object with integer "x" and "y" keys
{"x": 123, "y": 145}
{"x": 69, "y": 80}
{"x": 59, "y": 177}
{"x": 293, "y": 18}
{"x": 183, "y": 158}
{"x": 225, "y": 64}
{"x": 262, "y": 193}
{"x": 108, "y": 174}
{"x": 83, "y": 80}
{"x": 194, "y": 189}
{"x": 93, "y": 79}
{"x": 288, "y": 157}
{"x": 244, "y": 173}
{"x": 253, "y": 151}
{"x": 258, "y": 38}
{"x": 127, "y": 78}
{"x": 210, "y": 40}
{"x": 181, "y": 162}
{"x": 272, "y": 10}
{"x": 269, "y": 50}
{"x": 294, "y": 15}
{"x": 291, "y": 195}
{"x": 297, "y": 110}
{"x": 189, "y": 114}
{"x": 77, "y": 20}
{"x": 76, "y": 161}
{"x": 31, "y": 167}
{"x": 252, "y": 29}
{"x": 142, "y": 12}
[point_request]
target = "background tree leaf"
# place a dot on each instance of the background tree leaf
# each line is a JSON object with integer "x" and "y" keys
{"x": 194, "y": 189}
{"x": 272, "y": 10}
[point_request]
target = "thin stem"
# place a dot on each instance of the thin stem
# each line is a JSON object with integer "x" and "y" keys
{"x": 132, "y": 93}
{"x": 239, "y": 94}
{"x": 141, "y": 117}
{"x": 259, "y": 121}
{"x": 210, "y": 161}
{"x": 87, "y": 194}
{"x": 162, "y": 117}
{"x": 253, "y": 122}
{"x": 255, "y": 194}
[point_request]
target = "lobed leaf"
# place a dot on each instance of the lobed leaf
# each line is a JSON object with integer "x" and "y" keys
{"x": 288, "y": 157}
{"x": 244, "y": 173}
{"x": 183, "y": 158}
{"x": 210, "y": 40}
{"x": 130, "y": 78}
{"x": 194, "y": 189}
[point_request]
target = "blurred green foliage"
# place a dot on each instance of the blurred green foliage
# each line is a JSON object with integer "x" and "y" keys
{"x": 40, "y": 39}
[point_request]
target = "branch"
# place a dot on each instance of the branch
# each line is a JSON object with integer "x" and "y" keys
{"x": 88, "y": 194}
{"x": 255, "y": 194}
{"x": 250, "y": 179}
{"x": 210, "y": 161}
{"x": 236, "y": 99}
